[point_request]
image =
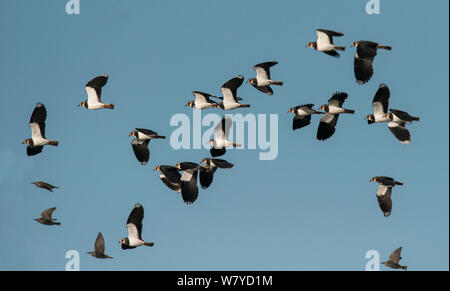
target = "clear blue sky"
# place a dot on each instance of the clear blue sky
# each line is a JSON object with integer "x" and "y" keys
{"x": 310, "y": 209}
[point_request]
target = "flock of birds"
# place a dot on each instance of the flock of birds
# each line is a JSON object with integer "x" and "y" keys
{"x": 182, "y": 177}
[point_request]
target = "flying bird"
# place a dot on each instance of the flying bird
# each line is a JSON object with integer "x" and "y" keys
{"x": 46, "y": 217}
{"x": 365, "y": 54}
{"x": 394, "y": 260}
{"x": 134, "y": 227}
{"x": 202, "y": 101}
{"x": 140, "y": 143}
{"x": 327, "y": 125}
{"x": 263, "y": 81}
{"x": 37, "y": 125}
{"x": 189, "y": 189}
{"x": 302, "y": 116}
{"x": 384, "y": 193}
{"x": 94, "y": 91}
{"x": 221, "y": 141}
{"x": 229, "y": 92}
{"x": 380, "y": 105}
{"x": 397, "y": 124}
{"x": 44, "y": 185}
{"x": 209, "y": 168}
{"x": 170, "y": 177}
{"x": 99, "y": 248}
{"x": 325, "y": 43}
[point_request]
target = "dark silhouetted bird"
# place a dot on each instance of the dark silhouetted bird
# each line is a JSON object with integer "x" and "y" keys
{"x": 44, "y": 185}
{"x": 46, "y": 217}
{"x": 134, "y": 227}
{"x": 365, "y": 54}
{"x": 384, "y": 193}
{"x": 394, "y": 260}
{"x": 37, "y": 125}
{"x": 140, "y": 143}
{"x": 327, "y": 125}
{"x": 380, "y": 104}
{"x": 209, "y": 168}
{"x": 170, "y": 177}
{"x": 94, "y": 91}
{"x": 99, "y": 248}
{"x": 302, "y": 116}
{"x": 325, "y": 43}
{"x": 263, "y": 81}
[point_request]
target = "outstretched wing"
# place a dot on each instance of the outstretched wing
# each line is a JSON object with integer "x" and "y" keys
{"x": 380, "y": 101}
{"x": 229, "y": 89}
{"x": 37, "y": 121}
{"x": 134, "y": 221}
{"x": 263, "y": 70}
{"x": 337, "y": 99}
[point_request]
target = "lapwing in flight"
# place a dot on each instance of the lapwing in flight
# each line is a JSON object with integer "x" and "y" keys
{"x": 46, "y": 217}
{"x": 363, "y": 63}
{"x": 170, "y": 177}
{"x": 140, "y": 143}
{"x": 263, "y": 81}
{"x": 209, "y": 168}
{"x": 384, "y": 193}
{"x": 37, "y": 125}
{"x": 189, "y": 189}
{"x": 380, "y": 104}
{"x": 44, "y": 185}
{"x": 221, "y": 141}
{"x": 302, "y": 116}
{"x": 327, "y": 125}
{"x": 134, "y": 227}
{"x": 394, "y": 260}
{"x": 397, "y": 124}
{"x": 202, "y": 101}
{"x": 325, "y": 43}
{"x": 94, "y": 91}
{"x": 99, "y": 248}
{"x": 229, "y": 92}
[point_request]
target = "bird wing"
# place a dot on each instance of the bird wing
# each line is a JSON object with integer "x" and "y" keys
{"x": 206, "y": 177}
{"x": 37, "y": 121}
{"x": 384, "y": 199}
{"x": 399, "y": 130}
{"x": 327, "y": 126}
{"x": 171, "y": 174}
{"x": 325, "y": 36}
{"x": 263, "y": 70}
{"x": 141, "y": 151}
{"x": 32, "y": 150}
{"x": 134, "y": 221}
{"x": 395, "y": 257}
{"x": 99, "y": 246}
{"x": 402, "y": 115}
{"x": 47, "y": 214}
{"x": 222, "y": 164}
{"x": 148, "y": 132}
{"x": 217, "y": 152}
{"x": 229, "y": 89}
{"x": 363, "y": 69}
{"x": 94, "y": 94}
{"x": 300, "y": 121}
{"x": 202, "y": 97}
{"x": 367, "y": 50}
{"x": 189, "y": 189}
{"x": 98, "y": 82}
{"x": 265, "y": 89}
{"x": 380, "y": 101}
{"x": 222, "y": 128}
{"x": 337, "y": 99}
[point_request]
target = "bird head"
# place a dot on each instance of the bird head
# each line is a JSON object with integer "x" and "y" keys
{"x": 355, "y": 44}
{"x": 310, "y": 44}
{"x": 133, "y": 133}
{"x": 157, "y": 168}
{"x": 28, "y": 141}
{"x": 212, "y": 142}
{"x": 178, "y": 166}
{"x": 205, "y": 161}
{"x": 374, "y": 179}
{"x": 291, "y": 110}
{"x": 190, "y": 104}
{"x": 124, "y": 241}
{"x": 389, "y": 116}
{"x": 83, "y": 104}
{"x": 252, "y": 81}
{"x": 370, "y": 118}
{"x": 324, "y": 107}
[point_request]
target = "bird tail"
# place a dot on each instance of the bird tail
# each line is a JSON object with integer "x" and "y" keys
{"x": 244, "y": 105}
{"x": 349, "y": 111}
{"x": 384, "y": 47}
{"x": 415, "y": 118}
{"x": 109, "y": 106}
{"x": 53, "y": 142}
{"x": 56, "y": 223}
{"x": 276, "y": 83}
{"x": 339, "y": 48}
{"x": 405, "y": 268}
{"x": 149, "y": 244}
{"x": 398, "y": 183}
{"x": 159, "y": 136}
{"x": 236, "y": 145}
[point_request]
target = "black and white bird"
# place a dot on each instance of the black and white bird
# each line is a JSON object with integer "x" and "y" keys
{"x": 189, "y": 189}
{"x": 302, "y": 116}
{"x": 134, "y": 227}
{"x": 263, "y": 81}
{"x": 209, "y": 168}
{"x": 394, "y": 260}
{"x": 140, "y": 143}
{"x": 94, "y": 91}
{"x": 384, "y": 193}
{"x": 37, "y": 125}
{"x": 365, "y": 54}
{"x": 327, "y": 125}
{"x": 221, "y": 141}
{"x": 380, "y": 104}
{"x": 325, "y": 43}
{"x": 44, "y": 185}
{"x": 99, "y": 248}
{"x": 397, "y": 124}
{"x": 46, "y": 217}
{"x": 229, "y": 92}
{"x": 170, "y": 177}
{"x": 202, "y": 101}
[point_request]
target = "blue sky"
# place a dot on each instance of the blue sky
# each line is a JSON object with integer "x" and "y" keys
{"x": 312, "y": 208}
